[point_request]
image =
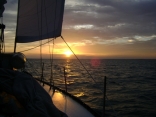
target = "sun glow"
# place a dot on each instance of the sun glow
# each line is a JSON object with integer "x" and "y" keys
{"x": 68, "y": 53}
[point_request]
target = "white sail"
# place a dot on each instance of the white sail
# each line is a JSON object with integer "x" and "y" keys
{"x": 39, "y": 19}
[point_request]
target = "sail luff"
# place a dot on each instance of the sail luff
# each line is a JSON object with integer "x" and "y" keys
{"x": 51, "y": 15}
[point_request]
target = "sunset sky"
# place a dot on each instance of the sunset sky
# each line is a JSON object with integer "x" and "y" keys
{"x": 98, "y": 28}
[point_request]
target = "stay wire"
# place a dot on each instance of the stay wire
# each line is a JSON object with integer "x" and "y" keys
{"x": 78, "y": 60}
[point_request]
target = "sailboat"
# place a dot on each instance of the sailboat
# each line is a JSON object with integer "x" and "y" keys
{"x": 21, "y": 94}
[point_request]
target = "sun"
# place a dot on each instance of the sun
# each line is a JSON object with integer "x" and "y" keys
{"x": 68, "y": 53}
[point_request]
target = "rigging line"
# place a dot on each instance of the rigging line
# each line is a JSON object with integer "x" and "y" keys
{"x": 53, "y": 45}
{"x": 51, "y": 55}
{"x": 39, "y": 34}
{"x": 40, "y": 49}
{"x": 79, "y": 60}
{"x": 36, "y": 46}
{"x": 39, "y": 29}
{"x": 17, "y": 21}
{"x": 87, "y": 71}
{"x": 41, "y": 38}
{"x": 51, "y": 62}
{"x": 3, "y": 43}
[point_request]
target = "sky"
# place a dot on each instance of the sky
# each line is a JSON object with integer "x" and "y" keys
{"x": 123, "y": 29}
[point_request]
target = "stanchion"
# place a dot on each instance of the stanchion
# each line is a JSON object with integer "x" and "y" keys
{"x": 42, "y": 77}
{"x": 65, "y": 79}
{"x": 104, "y": 95}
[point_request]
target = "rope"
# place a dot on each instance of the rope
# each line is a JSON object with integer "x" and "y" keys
{"x": 51, "y": 62}
{"x": 51, "y": 54}
{"x": 36, "y": 46}
{"x": 48, "y": 43}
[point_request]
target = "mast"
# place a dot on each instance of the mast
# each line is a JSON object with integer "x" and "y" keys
{"x": 2, "y": 26}
{"x": 15, "y": 43}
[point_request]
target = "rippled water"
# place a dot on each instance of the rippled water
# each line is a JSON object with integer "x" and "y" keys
{"x": 131, "y": 84}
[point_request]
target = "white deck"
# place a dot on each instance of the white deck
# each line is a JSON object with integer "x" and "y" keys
{"x": 67, "y": 104}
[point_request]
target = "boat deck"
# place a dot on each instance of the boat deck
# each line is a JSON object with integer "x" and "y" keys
{"x": 67, "y": 105}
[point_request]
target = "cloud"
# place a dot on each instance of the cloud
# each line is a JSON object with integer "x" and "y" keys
{"x": 102, "y": 22}
{"x": 114, "y": 18}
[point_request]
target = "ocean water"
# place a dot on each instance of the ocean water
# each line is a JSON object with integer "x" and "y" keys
{"x": 130, "y": 84}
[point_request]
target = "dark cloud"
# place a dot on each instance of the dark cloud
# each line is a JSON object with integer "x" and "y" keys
{"x": 10, "y": 14}
{"x": 110, "y": 18}
{"x": 138, "y": 16}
